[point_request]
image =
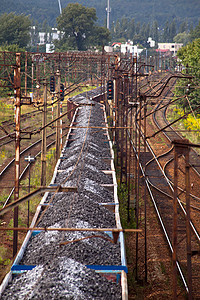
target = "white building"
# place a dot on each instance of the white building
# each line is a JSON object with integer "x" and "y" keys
{"x": 48, "y": 37}
{"x": 108, "y": 48}
{"x": 42, "y": 38}
{"x": 172, "y": 47}
{"x": 45, "y": 38}
{"x": 130, "y": 48}
{"x": 151, "y": 42}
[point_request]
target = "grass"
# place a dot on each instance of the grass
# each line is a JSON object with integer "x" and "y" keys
{"x": 190, "y": 124}
{"x": 123, "y": 207}
{"x": 6, "y": 109}
{"x": 80, "y": 90}
{"x": 3, "y": 198}
{"x": 36, "y": 178}
{"x": 3, "y": 253}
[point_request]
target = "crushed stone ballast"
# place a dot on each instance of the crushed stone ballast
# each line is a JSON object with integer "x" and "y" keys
{"x": 50, "y": 264}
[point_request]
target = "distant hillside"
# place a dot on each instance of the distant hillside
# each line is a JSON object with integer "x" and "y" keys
{"x": 141, "y": 10}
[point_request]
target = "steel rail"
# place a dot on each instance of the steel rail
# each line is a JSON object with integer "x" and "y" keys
{"x": 159, "y": 216}
{"x": 155, "y": 205}
{"x": 171, "y": 187}
{"x": 24, "y": 171}
{"x": 22, "y": 152}
{"x": 162, "y": 155}
{"x": 162, "y": 191}
{"x": 172, "y": 129}
{"x": 166, "y": 121}
{"x": 179, "y": 188}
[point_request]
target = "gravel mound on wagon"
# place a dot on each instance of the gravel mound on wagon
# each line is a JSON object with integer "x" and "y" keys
{"x": 61, "y": 271}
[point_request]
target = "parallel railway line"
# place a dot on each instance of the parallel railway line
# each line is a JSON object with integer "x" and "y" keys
{"x": 163, "y": 190}
{"x": 9, "y": 168}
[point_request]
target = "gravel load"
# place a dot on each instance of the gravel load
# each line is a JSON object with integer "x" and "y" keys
{"x": 74, "y": 281}
{"x": 61, "y": 257}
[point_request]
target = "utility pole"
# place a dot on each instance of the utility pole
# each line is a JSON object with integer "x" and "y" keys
{"x": 26, "y": 65}
{"x": 58, "y": 115}
{"x": 181, "y": 147}
{"x": 44, "y": 138}
{"x": 17, "y": 82}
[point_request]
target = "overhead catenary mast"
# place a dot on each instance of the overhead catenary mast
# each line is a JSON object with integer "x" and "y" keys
{"x": 59, "y": 3}
{"x": 108, "y": 9}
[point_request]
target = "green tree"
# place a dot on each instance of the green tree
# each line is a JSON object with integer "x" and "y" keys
{"x": 131, "y": 29}
{"x": 145, "y": 32}
{"x": 154, "y": 32}
{"x": 165, "y": 37}
{"x": 101, "y": 36}
{"x": 183, "y": 27}
{"x": 14, "y": 29}
{"x": 195, "y": 33}
{"x": 78, "y": 25}
{"x": 172, "y": 31}
{"x": 137, "y": 28}
{"x": 117, "y": 30}
{"x": 183, "y": 38}
{"x": 189, "y": 56}
{"x": 124, "y": 27}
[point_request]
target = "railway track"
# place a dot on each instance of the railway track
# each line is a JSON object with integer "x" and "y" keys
{"x": 170, "y": 133}
{"x": 161, "y": 190}
{"x": 161, "y": 121}
{"x": 7, "y": 179}
{"x": 8, "y": 170}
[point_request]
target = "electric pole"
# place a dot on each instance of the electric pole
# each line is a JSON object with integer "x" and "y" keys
{"x": 17, "y": 82}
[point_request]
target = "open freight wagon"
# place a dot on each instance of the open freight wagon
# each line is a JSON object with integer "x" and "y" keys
{"x": 54, "y": 264}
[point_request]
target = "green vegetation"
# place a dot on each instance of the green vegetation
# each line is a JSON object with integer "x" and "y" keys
{"x": 142, "y": 11}
{"x": 3, "y": 253}
{"x": 166, "y": 22}
{"x": 188, "y": 89}
{"x": 195, "y": 33}
{"x": 6, "y": 108}
{"x": 191, "y": 124}
{"x": 14, "y": 29}
{"x": 80, "y": 32}
{"x": 123, "y": 207}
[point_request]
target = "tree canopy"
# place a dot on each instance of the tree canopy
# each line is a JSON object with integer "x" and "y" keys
{"x": 195, "y": 33}
{"x": 190, "y": 58}
{"x": 144, "y": 10}
{"x": 14, "y": 29}
{"x": 77, "y": 23}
